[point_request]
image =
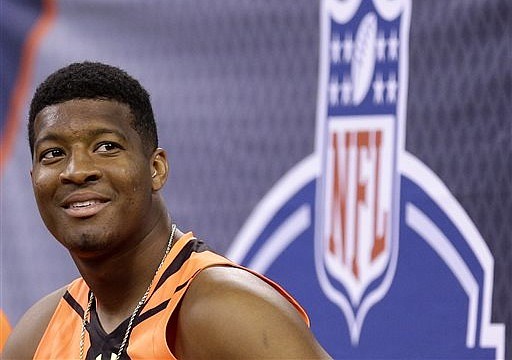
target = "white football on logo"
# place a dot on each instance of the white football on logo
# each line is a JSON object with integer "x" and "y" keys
{"x": 363, "y": 62}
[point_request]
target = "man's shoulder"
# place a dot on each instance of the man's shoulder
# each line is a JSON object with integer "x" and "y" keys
{"x": 25, "y": 337}
{"x": 219, "y": 287}
{"x": 230, "y": 279}
{"x": 241, "y": 315}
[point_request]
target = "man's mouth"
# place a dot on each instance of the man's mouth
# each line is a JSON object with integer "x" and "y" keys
{"x": 84, "y": 205}
{"x": 83, "y": 209}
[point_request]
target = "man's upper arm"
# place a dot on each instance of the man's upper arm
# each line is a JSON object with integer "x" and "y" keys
{"x": 24, "y": 339}
{"x": 230, "y": 313}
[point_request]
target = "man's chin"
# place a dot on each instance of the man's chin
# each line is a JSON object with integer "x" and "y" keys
{"x": 86, "y": 244}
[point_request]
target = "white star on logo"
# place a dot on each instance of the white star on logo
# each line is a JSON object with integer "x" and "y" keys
{"x": 378, "y": 89}
{"x": 393, "y": 44}
{"x": 391, "y": 88}
{"x": 334, "y": 92}
{"x": 348, "y": 47}
{"x": 381, "y": 46}
{"x": 346, "y": 90}
{"x": 335, "y": 48}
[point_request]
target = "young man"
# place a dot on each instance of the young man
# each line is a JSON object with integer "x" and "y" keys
{"x": 146, "y": 289}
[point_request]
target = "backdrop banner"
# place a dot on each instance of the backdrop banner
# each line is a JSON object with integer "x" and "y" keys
{"x": 358, "y": 152}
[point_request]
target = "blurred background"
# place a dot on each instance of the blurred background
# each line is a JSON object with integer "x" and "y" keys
{"x": 235, "y": 88}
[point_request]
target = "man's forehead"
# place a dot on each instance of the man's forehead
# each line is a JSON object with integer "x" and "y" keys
{"x": 85, "y": 108}
{"x": 79, "y": 114}
{"x": 87, "y": 104}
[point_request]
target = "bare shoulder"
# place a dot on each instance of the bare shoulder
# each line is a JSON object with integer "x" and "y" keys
{"x": 23, "y": 341}
{"x": 241, "y": 316}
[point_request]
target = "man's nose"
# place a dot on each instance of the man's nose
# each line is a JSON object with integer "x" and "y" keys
{"x": 80, "y": 169}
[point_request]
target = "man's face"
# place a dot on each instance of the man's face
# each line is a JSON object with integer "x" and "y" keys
{"x": 90, "y": 175}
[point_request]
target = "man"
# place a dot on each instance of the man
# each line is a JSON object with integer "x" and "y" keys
{"x": 146, "y": 289}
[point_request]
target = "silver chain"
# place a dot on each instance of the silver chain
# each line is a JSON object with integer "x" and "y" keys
{"x": 142, "y": 301}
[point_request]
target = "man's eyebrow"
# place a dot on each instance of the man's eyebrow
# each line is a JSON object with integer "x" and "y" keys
{"x": 47, "y": 137}
{"x": 102, "y": 131}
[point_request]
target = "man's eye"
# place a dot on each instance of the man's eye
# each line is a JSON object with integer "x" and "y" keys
{"x": 108, "y": 147}
{"x": 52, "y": 154}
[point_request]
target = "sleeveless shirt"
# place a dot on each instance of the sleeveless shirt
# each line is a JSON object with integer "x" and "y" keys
{"x": 188, "y": 256}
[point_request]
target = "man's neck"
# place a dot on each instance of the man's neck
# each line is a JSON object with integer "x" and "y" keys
{"x": 119, "y": 281}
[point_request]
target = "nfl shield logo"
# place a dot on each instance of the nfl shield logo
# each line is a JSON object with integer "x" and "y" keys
{"x": 363, "y": 79}
{"x": 330, "y": 227}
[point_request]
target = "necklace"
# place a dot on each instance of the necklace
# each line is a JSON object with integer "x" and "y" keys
{"x": 141, "y": 302}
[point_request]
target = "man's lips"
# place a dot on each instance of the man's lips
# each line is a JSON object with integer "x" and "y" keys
{"x": 81, "y": 205}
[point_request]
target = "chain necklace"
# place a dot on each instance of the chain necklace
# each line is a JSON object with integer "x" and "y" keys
{"x": 141, "y": 302}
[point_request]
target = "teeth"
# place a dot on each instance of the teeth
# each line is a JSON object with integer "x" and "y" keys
{"x": 82, "y": 204}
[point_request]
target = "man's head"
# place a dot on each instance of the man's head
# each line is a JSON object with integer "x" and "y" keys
{"x": 96, "y": 171}
{"x": 92, "y": 80}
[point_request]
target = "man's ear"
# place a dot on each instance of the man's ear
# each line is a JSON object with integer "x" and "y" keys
{"x": 159, "y": 169}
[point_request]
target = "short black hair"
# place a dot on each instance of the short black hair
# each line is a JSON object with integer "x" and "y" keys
{"x": 94, "y": 80}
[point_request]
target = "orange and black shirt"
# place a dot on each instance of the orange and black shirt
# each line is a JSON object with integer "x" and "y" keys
{"x": 147, "y": 340}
